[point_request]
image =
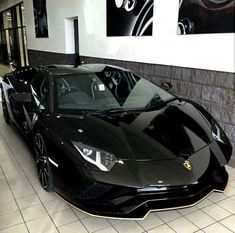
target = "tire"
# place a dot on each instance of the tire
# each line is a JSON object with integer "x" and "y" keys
{"x": 42, "y": 163}
{"x": 4, "y": 109}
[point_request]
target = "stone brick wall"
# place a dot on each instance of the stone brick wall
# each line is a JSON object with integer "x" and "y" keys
{"x": 214, "y": 90}
{"x": 37, "y": 57}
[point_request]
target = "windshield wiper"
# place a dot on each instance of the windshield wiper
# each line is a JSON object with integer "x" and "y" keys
{"x": 93, "y": 111}
{"x": 155, "y": 102}
{"x": 120, "y": 110}
{"x": 158, "y": 104}
{"x": 111, "y": 110}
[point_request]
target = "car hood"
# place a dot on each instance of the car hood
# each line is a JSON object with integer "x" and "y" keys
{"x": 176, "y": 130}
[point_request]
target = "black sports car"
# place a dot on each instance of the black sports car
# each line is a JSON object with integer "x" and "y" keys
{"x": 114, "y": 144}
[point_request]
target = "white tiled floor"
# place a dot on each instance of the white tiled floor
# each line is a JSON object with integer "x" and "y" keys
{"x": 4, "y": 69}
{"x": 26, "y": 207}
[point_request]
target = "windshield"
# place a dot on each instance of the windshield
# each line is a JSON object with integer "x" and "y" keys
{"x": 106, "y": 90}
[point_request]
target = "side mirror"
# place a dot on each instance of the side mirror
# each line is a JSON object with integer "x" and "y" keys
{"x": 21, "y": 98}
{"x": 13, "y": 66}
{"x": 166, "y": 86}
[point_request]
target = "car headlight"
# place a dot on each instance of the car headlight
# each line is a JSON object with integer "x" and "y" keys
{"x": 101, "y": 159}
{"x": 217, "y": 132}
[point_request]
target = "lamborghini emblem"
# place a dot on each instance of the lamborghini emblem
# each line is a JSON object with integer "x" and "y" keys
{"x": 188, "y": 165}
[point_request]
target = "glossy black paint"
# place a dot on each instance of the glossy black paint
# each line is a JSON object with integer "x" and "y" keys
{"x": 152, "y": 147}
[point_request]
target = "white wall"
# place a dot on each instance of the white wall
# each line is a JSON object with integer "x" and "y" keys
{"x": 211, "y": 51}
{"x": 208, "y": 51}
{"x": 58, "y": 11}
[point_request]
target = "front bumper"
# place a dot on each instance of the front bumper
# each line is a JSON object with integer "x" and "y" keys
{"x": 124, "y": 202}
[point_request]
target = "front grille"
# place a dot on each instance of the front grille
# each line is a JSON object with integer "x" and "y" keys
{"x": 92, "y": 191}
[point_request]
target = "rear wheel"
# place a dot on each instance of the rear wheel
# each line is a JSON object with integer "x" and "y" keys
{"x": 4, "y": 109}
{"x": 42, "y": 162}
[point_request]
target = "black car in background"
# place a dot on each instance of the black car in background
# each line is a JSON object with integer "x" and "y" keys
{"x": 114, "y": 144}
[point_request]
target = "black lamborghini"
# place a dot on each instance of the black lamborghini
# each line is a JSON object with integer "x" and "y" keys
{"x": 114, "y": 144}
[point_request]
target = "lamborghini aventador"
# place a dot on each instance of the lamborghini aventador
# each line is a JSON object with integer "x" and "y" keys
{"x": 113, "y": 143}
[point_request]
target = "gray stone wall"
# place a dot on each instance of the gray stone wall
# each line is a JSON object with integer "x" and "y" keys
{"x": 44, "y": 58}
{"x": 214, "y": 90}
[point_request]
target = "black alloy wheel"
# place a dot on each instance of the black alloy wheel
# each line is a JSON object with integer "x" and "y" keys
{"x": 42, "y": 162}
{"x": 4, "y": 109}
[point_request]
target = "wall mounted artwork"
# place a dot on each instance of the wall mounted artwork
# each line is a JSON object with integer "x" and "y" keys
{"x": 206, "y": 16}
{"x": 40, "y": 18}
{"x": 129, "y": 17}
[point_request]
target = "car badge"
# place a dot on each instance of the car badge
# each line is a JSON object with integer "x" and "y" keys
{"x": 188, "y": 165}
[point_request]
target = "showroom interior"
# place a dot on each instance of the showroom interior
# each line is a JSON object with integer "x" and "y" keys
{"x": 155, "y": 39}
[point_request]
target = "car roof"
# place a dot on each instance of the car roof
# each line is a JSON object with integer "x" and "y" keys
{"x": 87, "y": 68}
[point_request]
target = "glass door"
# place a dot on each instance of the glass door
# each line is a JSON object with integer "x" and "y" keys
{"x": 13, "y": 36}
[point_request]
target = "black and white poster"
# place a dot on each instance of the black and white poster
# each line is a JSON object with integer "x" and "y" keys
{"x": 129, "y": 17}
{"x": 206, "y": 16}
{"x": 40, "y": 18}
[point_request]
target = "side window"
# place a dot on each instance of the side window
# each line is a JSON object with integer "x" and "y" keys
{"x": 40, "y": 89}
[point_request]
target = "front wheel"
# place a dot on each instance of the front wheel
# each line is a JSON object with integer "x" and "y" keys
{"x": 42, "y": 162}
{"x": 4, "y": 109}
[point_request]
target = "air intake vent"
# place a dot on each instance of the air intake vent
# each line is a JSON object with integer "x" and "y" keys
{"x": 51, "y": 66}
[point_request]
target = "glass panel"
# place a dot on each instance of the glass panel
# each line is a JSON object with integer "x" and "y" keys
{"x": 13, "y": 17}
{"x": 107, "y": 90}
{"x": 18, "y": 12}
{"x": 4, "y": 46}
{"x": 25, "y": 47}
{"x": 8, "y": 45}
{"x": 23, "y": 14}
{"x": 12, "y": 45}
{"x": 21, "y": 47}
{"x": 1, "y": 21}
{"x": 7, "y": 19}
{"x": 40, "y": 89}
{"x": 13, "y": 42}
